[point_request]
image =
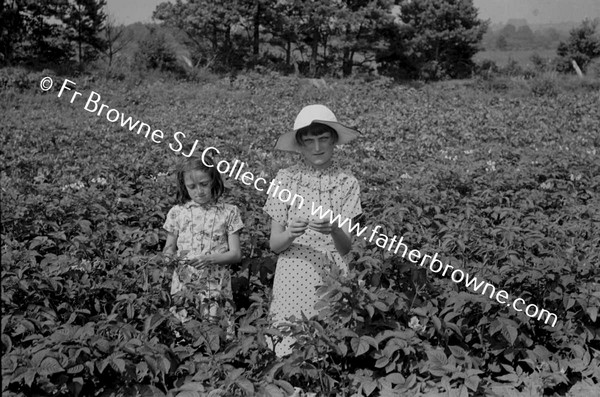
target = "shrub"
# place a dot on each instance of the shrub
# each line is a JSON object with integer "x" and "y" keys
{"x": 486, "y": 68}
{"x": 541, "y": 64}
{"x": 154, "y": 53}
{"x": 512, "y": 68}
{"x": 544, "y": 85}
{"x": 582, "y": 46}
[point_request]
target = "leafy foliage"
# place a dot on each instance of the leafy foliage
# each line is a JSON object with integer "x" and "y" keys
{"x": 582, "y": 46}
{"x": 504, "y": 187}
{"x": 155, "y": 53}
{"x": 437, "y": 39}
{"x": 46, "y": 32}
{"x": 84, "y": 19}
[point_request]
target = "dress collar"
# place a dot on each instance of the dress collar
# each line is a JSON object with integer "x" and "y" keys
{"x": 193, "y": 204}
{"x": 333, "y": 168}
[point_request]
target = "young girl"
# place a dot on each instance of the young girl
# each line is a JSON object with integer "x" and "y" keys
{"x": 308, "y": 245}
{"x": 204, "y": 233}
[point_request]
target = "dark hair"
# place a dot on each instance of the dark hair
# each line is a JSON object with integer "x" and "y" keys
{"x": 197, "y": 163}
{"x": 315, "y": 129}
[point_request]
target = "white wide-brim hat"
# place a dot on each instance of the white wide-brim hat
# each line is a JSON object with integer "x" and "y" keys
{"x": 315, "y": 114}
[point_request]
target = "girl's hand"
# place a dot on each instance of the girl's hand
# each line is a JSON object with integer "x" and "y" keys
{"x": 297, "y": 227}
{"x": 321, "y": 226}
{"x": 201, "y": 261}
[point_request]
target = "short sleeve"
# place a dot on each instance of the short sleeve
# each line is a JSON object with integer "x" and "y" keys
{"x": 351, "y": 206}
{"x": 234, "y": 220}
{"x": 275, "y": 208}
{"x": 171, "y": 223}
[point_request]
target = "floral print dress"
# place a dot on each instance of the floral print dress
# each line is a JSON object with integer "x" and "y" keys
{"x": 203, "y": 230}
{"x": 301, "y": 268}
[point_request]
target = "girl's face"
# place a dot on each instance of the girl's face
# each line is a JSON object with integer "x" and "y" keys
{"x": 317, "y": 150}
{"x": 198, "y": 184}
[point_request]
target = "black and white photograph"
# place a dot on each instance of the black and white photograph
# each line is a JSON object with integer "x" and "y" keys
{"x": 300, "y": 198}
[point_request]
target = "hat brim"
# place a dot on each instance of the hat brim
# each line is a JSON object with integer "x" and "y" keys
{"x": 287, "y": 141}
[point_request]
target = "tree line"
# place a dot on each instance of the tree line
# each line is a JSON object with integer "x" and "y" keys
{"x": 415, "y": 38}
{"x": 418, "y": 38}
{"x": 425, "y": 39}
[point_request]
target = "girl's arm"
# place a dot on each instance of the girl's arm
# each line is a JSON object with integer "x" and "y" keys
{"x": 282, "y": 238}
{"x": 170, "y": 249}
{"x": 341, "y": 238}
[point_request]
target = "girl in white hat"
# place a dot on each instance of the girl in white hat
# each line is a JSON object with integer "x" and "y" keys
{"x": 308, "y": 245}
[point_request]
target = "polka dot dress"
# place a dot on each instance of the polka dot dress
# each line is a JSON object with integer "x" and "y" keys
{"x": 301, "y": 268}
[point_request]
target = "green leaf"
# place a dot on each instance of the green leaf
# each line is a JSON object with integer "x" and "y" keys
{"x": 396, "y": 378}
{"x": 382, "y": 362}
{"x": 245, "y": 385}
{"x": 437, "y": 358}
{"x": 472, "y": 382}
{"x": 189, "y": 393}
{"x": 512, "y": 378}
{"x": 75, "y": 369}
{"x": 289, "y": 389}
{"x": 592, "y": 312}
{"x": 152, "y": 322}
{"x": 369, "y": 386}
{"x": 29, "y": 377}
{"x": 273, "y": 391}
{"x": 248, "y": 329}
{"x": 510, "y": 334}
{"x": 436, "y": 323}
{"x": 49, "y": 366}
{"x": 359, "y": 345}
{"x": 345, "y": 332}
{"x": 118, "y": 364}
{"x": 458, "y": 351}
{"x": 6, "y": 341}
{"x": 148, "y": 391}
{"x": 234, "y": 374}
{"x": 192, "y": 386}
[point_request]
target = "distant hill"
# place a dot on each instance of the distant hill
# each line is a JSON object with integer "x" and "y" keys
{"x": 517, "y": 22}
{"x": 561, "y": 27}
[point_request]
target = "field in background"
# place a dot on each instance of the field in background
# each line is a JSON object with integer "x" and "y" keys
{"x": 523, "y": 57}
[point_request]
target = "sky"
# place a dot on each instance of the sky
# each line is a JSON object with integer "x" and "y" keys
{"x": 498, "y": 11}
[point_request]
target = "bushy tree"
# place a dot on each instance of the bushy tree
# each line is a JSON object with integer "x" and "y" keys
{"x": 358, "y": 24}
{"x": 39, "y": 32}
{"x": 501, "y": 43}
{"x": 440, "y": 36}
{"x": 30, "y": 32}
{"x": 12, "y": 30}
{"x": 84, "y": 20}
{"x": 214, "y": 29}
{"x": 155, "y": 53}
{"x": 582, "y": 46}
{"x": 116, "y": 38}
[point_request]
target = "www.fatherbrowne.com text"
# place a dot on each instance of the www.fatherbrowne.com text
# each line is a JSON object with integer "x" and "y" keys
{"x": 394, "y": 244}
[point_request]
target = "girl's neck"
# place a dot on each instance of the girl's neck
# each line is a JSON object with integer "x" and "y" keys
{"x": 319, "y": 167}
{"x": 205, "y": 205}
